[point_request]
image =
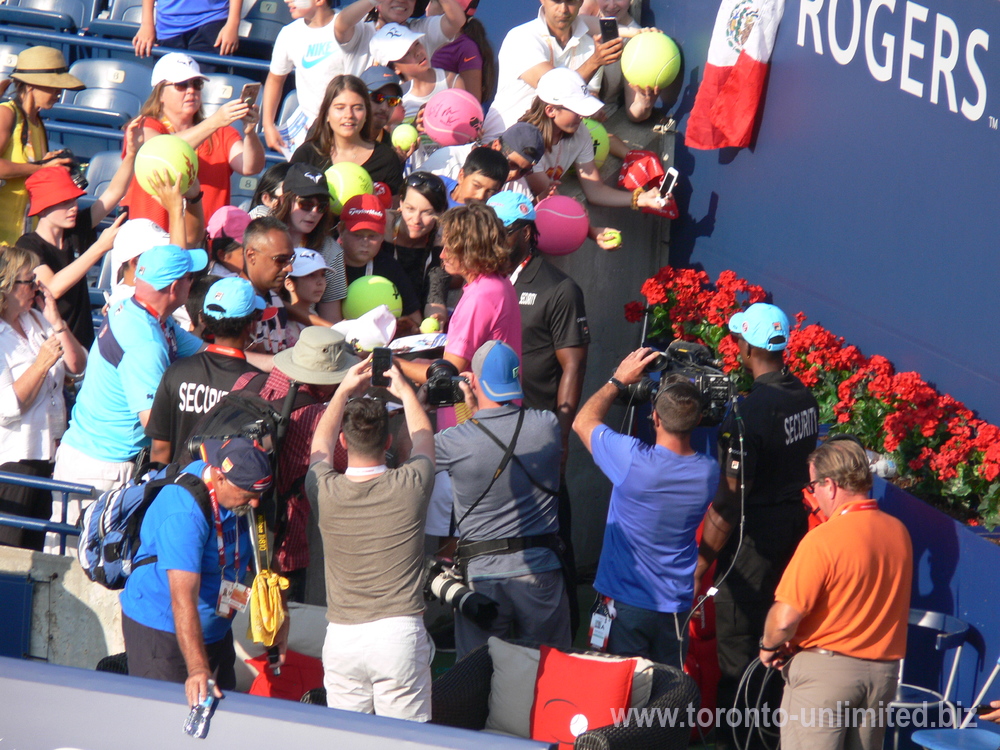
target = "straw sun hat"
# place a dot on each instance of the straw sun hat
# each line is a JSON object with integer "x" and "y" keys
{"x": 45, "y": 66}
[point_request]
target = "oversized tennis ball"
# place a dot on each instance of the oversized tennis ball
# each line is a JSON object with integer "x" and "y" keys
{"x": 345, "y": 180}
{"x": 404, "y": 136}
{"x": 453, "y": 117}
{"x": 602, "y": 144}
{"x": 613, "y": 237}
{"x": 168, "y": 155}
{"x": 369, "y": 292}
{"x": 562, "y": 225}
{"x": 430, "y": 325}
{"x": 651, "y": 59}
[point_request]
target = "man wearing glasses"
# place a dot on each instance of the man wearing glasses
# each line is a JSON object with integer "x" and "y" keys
{"x": 267, "y": 259}
{"x": 386, "y": 94}
{"x": 764, "y": 446}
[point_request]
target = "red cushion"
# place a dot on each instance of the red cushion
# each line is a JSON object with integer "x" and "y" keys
{"x": 574, "y": 695}
{"x": 299, "y": 675}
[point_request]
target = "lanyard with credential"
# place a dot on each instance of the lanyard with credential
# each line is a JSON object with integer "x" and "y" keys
{"x": 219, "y": 539}
{"x": 168, "y": 333}
{"x": 226, "y": 351}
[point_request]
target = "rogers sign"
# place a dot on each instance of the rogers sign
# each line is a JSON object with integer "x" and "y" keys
{"x": 900, "y": 40}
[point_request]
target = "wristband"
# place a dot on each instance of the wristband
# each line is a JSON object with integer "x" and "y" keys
{"x": 60, "y": 330}
{"x": 617, "y": 383}
{"x": 197, "y": 199}
{"x": 765, "y": 648}
{"x": 635, "y": 198}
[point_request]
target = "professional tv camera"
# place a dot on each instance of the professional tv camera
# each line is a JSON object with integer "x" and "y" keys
{"x": 686, "y": 360}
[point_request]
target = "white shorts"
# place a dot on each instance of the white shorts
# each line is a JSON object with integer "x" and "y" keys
{"x": 381, "y": 667}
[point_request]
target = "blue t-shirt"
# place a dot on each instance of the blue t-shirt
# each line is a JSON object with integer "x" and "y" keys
{"x": 449, "y": 186}
{"x": 658, "y": 500}
{"x": 176, "y": 17}
{"x": 124, "y": 368}
{"x": 176, "y": 531}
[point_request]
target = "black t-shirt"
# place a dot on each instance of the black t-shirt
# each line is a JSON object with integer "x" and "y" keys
{"x": 383, "y": 165}
{"x": 422, "y": 266}
{"x": 74, "y": 305}
{"x": 387, "y": 266}
{"x": 780, "y": 426}
{"x": 189, "y": 388}
{"x": 553, "y": 317}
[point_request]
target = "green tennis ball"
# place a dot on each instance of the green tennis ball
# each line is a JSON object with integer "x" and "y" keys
{"x": 345, "y": 180}
{"x": 168, "y": 155}
{"x": 602, "y": 143}
{"x": 369, "y": 292}
{"x": 613, "y": 237}
{"x": 404, "y": 136}
{"x": 430, "y": 325}
{"x": 651, "y": 59}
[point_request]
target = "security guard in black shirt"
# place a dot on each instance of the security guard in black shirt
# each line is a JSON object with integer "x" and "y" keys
{"x": 764, "y": 447}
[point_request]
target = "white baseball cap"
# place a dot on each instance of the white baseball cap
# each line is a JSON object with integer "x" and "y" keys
{"x": 135, "y": 237}
{"x": 306, "y": 262}
{"x": 176, "y": 67}
{"x": 392, "y": 42}
{"x": 566, "y": 88}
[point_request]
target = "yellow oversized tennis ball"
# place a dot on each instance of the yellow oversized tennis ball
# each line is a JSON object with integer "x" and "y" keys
{"x": 430, "y": 325}
{"x": 651, "y": 59}
{"x": 602, "y": 143}
{"x": 169, "y": 155}
{"x": 345, "y": 180}
{"x": 404, "y": 136}
{"x": 369, "y": 292}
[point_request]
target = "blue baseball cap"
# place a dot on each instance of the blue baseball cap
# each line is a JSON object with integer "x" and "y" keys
{"x": 496, "y": 367}
{"x": 762, "y": 325}
{"x": 243, "y": 462}
{"x": 510, "y": 207}
{"x": 162, "y": 265}
{"x": 232, "y": 297}
{"x": 378, "y": 76}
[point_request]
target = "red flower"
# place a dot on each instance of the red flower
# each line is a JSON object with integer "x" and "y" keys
{"x": 634, "y": 312}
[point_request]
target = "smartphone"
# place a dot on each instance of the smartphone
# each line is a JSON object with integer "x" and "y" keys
{"x": 609, "y": 29}
{"x": 381, "y": 361}
{"x": 250, "y": 93}
{"x": 985, "y": 708}
{"x": 669, "y": 181}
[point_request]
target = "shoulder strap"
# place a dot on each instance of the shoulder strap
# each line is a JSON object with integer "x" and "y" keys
{"x": 495, "y": 439}
{"x": 190, "y": 482}
{"x": 508, "y": 452}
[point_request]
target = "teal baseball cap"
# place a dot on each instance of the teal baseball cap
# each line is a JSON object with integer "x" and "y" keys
{"x": 510, "y": 207}
{"x": 162, "y": 265}
{"x": 232, "y": 297}
{"x": 496, "y": 366}
{"x": 762, "y": 325}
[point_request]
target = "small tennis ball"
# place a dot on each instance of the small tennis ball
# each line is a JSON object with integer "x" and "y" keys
{"x": 430, "y": 325}
{"x": 651, "y": 59}
{"x": 404, "y": 136}
{"x": 613, "y": 238}
{"x": 169, "y": 155}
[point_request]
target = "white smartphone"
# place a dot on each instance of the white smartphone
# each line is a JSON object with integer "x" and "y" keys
{"x": 669, "y": 181}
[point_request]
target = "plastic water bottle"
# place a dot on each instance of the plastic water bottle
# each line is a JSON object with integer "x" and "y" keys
{"x": 201, "y": 715}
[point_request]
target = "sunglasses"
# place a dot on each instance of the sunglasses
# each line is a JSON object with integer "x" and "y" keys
{"x": 312, "y": 204}
{"x": 811, "y": 486}
{"x": 419, "y": 180}
{"x": 33, "y": 282}
{"x": 393, "y": 101}
{"x": 195, "y": 83}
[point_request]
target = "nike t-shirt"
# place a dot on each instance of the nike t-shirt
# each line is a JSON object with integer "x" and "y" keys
{"x": 315, "y": 56}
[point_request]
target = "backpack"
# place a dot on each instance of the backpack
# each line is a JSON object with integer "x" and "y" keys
{"x": 109, "y": 528}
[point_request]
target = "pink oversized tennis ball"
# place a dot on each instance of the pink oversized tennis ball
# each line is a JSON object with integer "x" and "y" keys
{"x": 453, "y": 117}
{"x": 562, "y": 225}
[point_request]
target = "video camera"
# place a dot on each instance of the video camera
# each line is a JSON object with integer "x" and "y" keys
{"x": 443, "y": 581}
{"x": 686, "y": 360}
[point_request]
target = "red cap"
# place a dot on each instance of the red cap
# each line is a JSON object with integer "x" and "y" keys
{"x": 363, "y": 212}
{"x": 383, "y": 193}
{"x": 50, "y": 186}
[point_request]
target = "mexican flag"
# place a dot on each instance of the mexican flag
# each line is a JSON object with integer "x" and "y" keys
{"x": 738, "y": 57}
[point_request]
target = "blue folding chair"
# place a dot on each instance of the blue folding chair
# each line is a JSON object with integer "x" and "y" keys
{"x": 116, "y": 90}
{"x": 963, "y": 738}
{"x": 221, "y": 88}
{"x": 122, "y": 22}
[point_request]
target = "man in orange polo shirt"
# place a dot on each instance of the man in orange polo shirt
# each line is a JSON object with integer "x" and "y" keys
{"x": 842, "y": 607}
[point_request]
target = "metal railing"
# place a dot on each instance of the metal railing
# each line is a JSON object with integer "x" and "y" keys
{"x": 63, "y": 529}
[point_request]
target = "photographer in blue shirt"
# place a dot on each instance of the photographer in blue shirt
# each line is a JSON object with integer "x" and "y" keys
{"x": 646, "y": 572}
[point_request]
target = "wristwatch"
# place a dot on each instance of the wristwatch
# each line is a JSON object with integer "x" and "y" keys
{"x": 765, "y": 648}
{"x": 617, "y": 383}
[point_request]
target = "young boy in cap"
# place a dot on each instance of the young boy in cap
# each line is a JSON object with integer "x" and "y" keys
{"x": 177, "y": 611}
{"x": 190, "y": 387}
{"x": 137, "y": 342}
{"x": 362, "y": 229}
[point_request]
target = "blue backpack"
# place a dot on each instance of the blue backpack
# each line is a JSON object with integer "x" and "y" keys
{"x": 109, "y": 528}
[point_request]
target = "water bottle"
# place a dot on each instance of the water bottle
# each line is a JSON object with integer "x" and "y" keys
{"x": 200, "y": 716}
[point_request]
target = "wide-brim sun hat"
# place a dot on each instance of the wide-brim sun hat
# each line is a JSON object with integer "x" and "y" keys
{"x": 45, "y": 66}
{"x": 319, "y": 357}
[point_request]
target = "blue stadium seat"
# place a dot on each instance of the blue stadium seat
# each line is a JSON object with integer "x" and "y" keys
{"x": 57, "y": 15}
{"x": 8, "y": 59}
{"x": 100, "y": 172}
{"x": 288, "y": 106}
{"x": 243, "y": 188}
{"x": 116, "y": 90}
{"x": 122, "y": 21}
{"x": 221, "y": 88}
{"x": 260, "y": 27}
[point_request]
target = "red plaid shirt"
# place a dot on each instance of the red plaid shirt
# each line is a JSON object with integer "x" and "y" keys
{"x": 293, "y": 463}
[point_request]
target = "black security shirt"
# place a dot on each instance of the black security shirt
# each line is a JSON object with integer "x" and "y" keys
{"x": 553, "y": 317}
{"x": 189, "y": 388}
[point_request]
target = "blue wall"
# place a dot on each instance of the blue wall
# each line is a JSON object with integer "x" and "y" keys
{"x": 870, "y": 209}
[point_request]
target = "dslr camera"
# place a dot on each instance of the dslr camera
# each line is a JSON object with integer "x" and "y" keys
{"x": 77, "y": 169}
{"x": 444, "y": 384}
{"x": 443, "y": 581}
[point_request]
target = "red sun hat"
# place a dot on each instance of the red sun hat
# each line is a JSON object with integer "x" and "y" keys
{"x": 49, "y": 187}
